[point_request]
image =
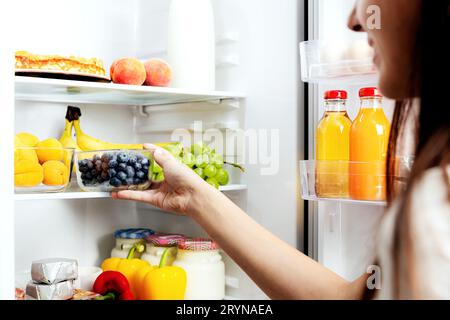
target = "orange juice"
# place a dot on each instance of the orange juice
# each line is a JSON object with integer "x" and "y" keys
{"x": 369, "y": 138}
{"x": 333, "y": 147}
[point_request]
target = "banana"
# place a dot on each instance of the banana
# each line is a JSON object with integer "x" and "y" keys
{"x": 66, "y": 138}
{"x": 88, "y": 143}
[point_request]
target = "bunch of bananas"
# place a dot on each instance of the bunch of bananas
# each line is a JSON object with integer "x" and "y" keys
{"x": 85, "y": 142}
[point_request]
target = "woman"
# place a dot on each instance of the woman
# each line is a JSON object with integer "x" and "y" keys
{"x": 414, "y": 238}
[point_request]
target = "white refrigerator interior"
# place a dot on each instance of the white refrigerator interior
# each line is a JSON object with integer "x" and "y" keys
{"x": 256, "y": 56}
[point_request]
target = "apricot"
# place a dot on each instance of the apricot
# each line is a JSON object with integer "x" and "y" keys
{"x": 128, "y": 71}
{"x": 159, "y": 73}
{"x": 50, "y": 149}
{"x": 55, "y": 173}
{"x": 22, "y": 151}
{"x": 28, "y": 173}
{"x": 27, "y": 139}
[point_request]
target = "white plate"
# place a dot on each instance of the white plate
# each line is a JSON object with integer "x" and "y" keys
{"x": 59, "y": 74}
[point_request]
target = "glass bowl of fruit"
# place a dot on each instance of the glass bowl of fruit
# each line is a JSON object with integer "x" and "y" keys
{"x": 113, "y": 170}
{"x": 42, "y": 169}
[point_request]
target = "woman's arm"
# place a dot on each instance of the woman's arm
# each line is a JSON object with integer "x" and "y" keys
{"x": 280, "y": 270}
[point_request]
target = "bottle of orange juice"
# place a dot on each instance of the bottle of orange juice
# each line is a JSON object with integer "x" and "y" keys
{"x": 369, "y": 138}
{"x": 333, "y": 147}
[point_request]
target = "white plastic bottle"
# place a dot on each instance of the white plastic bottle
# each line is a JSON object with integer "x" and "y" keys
{"x": 191, "y": 44}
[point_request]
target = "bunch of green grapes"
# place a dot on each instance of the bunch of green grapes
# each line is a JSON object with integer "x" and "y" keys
{"x": 199, "y": 157}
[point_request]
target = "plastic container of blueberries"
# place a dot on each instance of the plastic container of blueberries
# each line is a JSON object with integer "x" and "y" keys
{"x": 114, "y": 170}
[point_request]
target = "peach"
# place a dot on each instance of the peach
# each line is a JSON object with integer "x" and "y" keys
{"x": 159, "y": 73}
{"x": 128, "y": 71}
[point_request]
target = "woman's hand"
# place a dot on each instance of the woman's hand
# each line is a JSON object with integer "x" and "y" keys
{"x": 181, "y": 190}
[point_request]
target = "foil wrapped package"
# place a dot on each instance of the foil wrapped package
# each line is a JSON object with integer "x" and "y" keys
{"x": 58, "y": 291}
{"x": 52, "y": 271}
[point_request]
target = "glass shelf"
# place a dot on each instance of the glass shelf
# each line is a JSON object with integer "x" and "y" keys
{"x": 74, "y": 193}
{"x": 328, "y": 63}
{"x": 69, "y": 91}
{"x": 336, "y": 181}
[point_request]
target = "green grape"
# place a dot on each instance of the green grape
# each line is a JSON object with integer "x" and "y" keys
{"x": 200, "y": 172}
{"x": 197, "y": 148}
{"x": 202, "y": 160}
{"x": 210, "y": 171}
{"x": 156, "y": 168}
{"x": 159, "y": 177}
{"x": 213, "y": 182}
{"x": 222, "y": 177}
{"x": 217, "y": 160}
{"x": 188, "y": 159}
{"x": 175, "y": 149}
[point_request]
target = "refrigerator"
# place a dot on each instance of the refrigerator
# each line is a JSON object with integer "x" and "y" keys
{"x": 259, "y": 91}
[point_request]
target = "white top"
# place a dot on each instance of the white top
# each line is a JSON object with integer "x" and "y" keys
{"x": 430, "y": 223}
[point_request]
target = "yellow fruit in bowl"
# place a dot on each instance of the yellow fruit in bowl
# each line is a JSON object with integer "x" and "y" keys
{"x": 28, "y": 173}
{"x": 48, "y": 150}
{"x": 27, "y": 139}
{"x": 55, "y": 173}
{"x": 22, "y": 151}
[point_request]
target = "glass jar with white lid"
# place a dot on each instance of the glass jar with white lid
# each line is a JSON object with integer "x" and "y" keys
{"x": 202, "y": 261}
{"x": 126, "y": 239}
{"x": 157, "y": 244}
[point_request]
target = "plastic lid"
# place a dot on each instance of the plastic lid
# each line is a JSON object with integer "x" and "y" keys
{"x": 370, "y": 92}
{"x": 133, "y": 233}
{"x": 198, "y": 244}
{"x": 165, "y": 240}
{"x": 335, "y": 95}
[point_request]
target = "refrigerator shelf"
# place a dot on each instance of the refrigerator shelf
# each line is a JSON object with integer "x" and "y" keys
{"x": 331, "y": 63}
{"x": 74, "y": 193}
{"x": 337, "y": 181}
{"x": 68, "y": 91}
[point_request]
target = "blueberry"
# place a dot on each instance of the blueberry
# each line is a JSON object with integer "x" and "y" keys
{"x": 139, "y": 157}
{"x": 115, "y": 182}
{"x": 106, "y": 157}
{"x": 112, "y": 173}
{"x": 137, "y": 181}
{"x": 137, "y": 166}
{"x": 122, "y": 176}
{"x": 140, "y": 175}
{"x": 104, "y": 175}
{"x": 113, "y": 164}
{"x": 90, "y": 164}
{"x": 122, "y": 167}
{"x": 129, "y": 181}
{"x": 145, "y": 168}
{"x": 133, "y": 160}
{"x": 130, "y": 172}
{"x": 145, "y": 162}
{"x": 123, "y": 157}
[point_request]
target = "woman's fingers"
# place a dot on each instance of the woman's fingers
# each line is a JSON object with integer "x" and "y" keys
{"x": 140, "y": 196}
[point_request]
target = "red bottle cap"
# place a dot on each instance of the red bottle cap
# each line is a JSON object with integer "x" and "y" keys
{"x": 335, "y": 95}
{"x": 370, "y": 93}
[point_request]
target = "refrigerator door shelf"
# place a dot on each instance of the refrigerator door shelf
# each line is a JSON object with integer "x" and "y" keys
{"x": 337, "y": 63}
{"x": 349, "y": 182}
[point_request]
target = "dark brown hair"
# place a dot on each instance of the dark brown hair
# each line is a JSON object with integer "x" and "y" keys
{"x": 430, "y": 83}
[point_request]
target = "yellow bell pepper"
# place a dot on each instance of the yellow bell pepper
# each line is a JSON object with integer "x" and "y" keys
{"x": 128, "y": 267}
{"x": 161, "y": 283}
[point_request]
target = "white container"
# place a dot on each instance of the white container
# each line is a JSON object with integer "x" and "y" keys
{"x": 126, "y": 239}
{"x": 204, "y": 267}
{"x": 191, "y": 44}
{"x": 87, "y": 277}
